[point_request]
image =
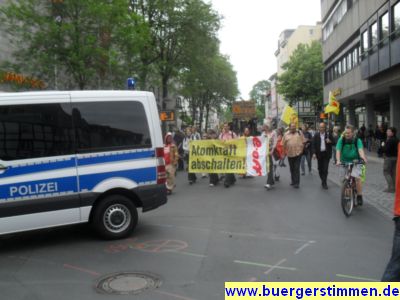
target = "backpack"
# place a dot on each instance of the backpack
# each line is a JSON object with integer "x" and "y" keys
{"x": 355, "y": 141}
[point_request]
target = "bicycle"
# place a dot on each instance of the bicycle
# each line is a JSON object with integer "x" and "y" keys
{"x": 349, "y": 189}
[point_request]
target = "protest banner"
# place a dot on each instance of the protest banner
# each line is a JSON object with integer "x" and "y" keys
{"x": 216, "y": 156}
{"x": 257, "y": 149}
{"x": 238, "y": 156}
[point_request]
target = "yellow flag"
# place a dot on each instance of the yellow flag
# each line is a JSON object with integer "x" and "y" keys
{"x": 333, "y": 106}
{"x": 289, "y": 115}
{"x": 331, "y": 109}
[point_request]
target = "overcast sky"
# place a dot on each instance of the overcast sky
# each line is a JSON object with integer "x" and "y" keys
{"x": 250, "y": 33}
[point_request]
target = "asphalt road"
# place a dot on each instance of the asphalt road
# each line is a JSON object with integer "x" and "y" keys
{"x": 203, "y": 237}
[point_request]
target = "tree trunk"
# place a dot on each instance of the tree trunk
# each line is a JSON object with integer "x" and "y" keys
{"x": 164, "y": 86}
{"x": 201, "y": 116}
{"x": 193, "y": 112}
{"x": 143, "y": 79}
{"x": 207, "y": 115}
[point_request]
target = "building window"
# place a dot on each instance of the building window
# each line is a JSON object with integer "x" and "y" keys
{"x": 349, "y": 61}
{"x": 355, "y": 56}
{"x": 311, "y": 31}
{"x": 374, "y": 34}
{"x": 336, "y": 17}
{"x": 384, "y": 27}
{"x": 344, "y": 65}
{"x": 396, "y": 17}
{"x": 339, "y": 64}
{"x": 365, "y": 43}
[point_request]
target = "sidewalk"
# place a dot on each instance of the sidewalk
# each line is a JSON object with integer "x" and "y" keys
{"x": 374, "y": 185}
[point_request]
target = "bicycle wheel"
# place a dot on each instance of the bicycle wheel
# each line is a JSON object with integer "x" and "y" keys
{"x": 347, "y": 199}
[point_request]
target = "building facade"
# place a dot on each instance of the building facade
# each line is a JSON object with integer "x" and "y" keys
{"x": 361, "y": 54}
{"x": 288, "y": 41}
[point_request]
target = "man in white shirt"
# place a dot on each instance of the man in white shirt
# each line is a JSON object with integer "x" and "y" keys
{"x": 322, "y": 149}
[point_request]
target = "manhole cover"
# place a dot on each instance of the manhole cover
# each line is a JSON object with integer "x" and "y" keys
{"x": 128, "y": 283}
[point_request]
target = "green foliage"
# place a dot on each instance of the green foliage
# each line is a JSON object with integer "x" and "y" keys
{"x": 302, "y": 79}
{"x": 71, "y": 44}
{"x": 93, "y": 44}
{"x": 259, "y": 92}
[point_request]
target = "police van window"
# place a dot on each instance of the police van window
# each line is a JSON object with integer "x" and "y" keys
{"x": 110, "y": 125}
{"x": 38, "y": 130}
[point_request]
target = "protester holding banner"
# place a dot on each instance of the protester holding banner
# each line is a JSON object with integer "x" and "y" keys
{"x": 272, "y": 140}
{"x": 293, "y": 144}
{"x": 214, "y": 177}
{"x": 185, "y": 145}
{"x": 245, "y": 135}
{"x": 226, "y": 135}
{"x": 195, "y": 136}
{"x": 171, "y": 160}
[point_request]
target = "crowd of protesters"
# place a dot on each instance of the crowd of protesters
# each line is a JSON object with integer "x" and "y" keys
{"x": 300, "y": 147}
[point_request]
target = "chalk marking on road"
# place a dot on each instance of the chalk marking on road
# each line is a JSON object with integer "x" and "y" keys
{"x": 238, "y": 233}
{"x": 275, "y": 266}
{"x": 67, "y": 266}
{"x": 303, "y": 247}
{"x": 357, "y": 278}
{"x": 173, "y": 295}
{"x": 264, "y": 265}
{"x": 188, "y": 253}
{"x": 287, "y": 239}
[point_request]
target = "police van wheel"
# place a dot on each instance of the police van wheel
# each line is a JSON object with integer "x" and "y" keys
{"x": 115, "y": 217}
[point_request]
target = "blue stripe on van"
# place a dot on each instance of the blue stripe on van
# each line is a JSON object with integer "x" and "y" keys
{"x": 115, "y": 157}
{"x": 138, "y": 175}
{"x": 40, "y": 187}
{"x": 37, "y": 168}
{"x": 70, "y": 163}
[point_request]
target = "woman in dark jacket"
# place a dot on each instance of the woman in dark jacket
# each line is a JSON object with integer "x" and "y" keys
{"x": 389, "y": 149}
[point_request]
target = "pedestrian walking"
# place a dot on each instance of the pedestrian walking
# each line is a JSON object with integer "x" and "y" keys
{"x": 334, "y": 139}
{"x": 178, "y": 140}
{"x": 322, "y": 151}
{"x": 370, "y": 137}
{"x": 278, "y": 154}
{"x": 226, "y": 135}
{"x": 307, "y": 150}
{"x": 185, "y": 146}
{"x": 293, "y": 144}
{"x": 214, "y": 177}
{"x": 171, "y": 160}
{"x": 271, "y": 135}
{"x": 380, "y": 136}
{"x": 194, "y": 136}
{"x": 389, "y": 149}
{"x": 392, "y": 271}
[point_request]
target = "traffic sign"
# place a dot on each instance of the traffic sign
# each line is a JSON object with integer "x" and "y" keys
{"x": 167, "y": 115}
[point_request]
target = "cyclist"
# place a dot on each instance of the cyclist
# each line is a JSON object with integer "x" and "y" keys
{"x": 348, "y": 149}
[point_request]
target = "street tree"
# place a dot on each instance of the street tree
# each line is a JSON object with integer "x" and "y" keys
{"x": 259, "y": 95}
{"x": 302, "y": 77}
{"x": 70, "y": 44}
{"x": 173, "y": 27}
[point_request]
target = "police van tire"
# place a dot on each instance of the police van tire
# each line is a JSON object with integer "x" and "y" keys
{"x": 115, "y": 217}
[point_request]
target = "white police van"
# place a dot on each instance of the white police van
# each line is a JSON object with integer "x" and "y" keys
{"x": 79, "y": 156}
